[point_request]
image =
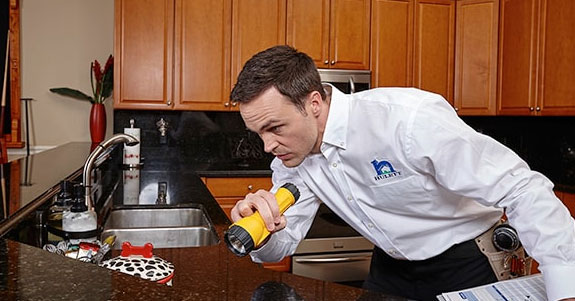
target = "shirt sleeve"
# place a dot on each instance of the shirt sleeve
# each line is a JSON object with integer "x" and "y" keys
{"x": 478, "y": 167}
{"x": 299, "y": 217}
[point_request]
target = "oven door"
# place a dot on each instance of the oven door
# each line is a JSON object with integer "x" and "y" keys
{"x": 339, "y": 267}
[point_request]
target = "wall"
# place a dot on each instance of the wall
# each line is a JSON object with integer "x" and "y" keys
{"x": 59, "y": 40}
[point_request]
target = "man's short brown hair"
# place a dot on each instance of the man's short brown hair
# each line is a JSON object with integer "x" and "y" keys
{"x": 291, "y": 72}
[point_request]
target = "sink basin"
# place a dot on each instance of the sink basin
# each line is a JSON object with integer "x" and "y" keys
{"x": 170, "y": 227}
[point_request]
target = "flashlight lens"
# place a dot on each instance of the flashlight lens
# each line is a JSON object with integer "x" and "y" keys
{"x": 237, "y": 245}
{"x": 239, "y": 240}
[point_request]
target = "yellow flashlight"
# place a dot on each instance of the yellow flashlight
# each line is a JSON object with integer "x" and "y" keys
{"x": 249, "y": 232}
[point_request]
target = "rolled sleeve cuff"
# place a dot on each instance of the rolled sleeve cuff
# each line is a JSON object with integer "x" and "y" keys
{"x": 559, "y": 283}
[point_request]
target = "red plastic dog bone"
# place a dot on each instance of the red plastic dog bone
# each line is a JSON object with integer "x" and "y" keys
{"x": 128, "y": 250}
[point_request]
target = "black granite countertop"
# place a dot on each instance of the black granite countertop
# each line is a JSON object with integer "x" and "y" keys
{"x": 201, "y": 273}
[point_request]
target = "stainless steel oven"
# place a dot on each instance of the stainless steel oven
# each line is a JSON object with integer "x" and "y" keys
{"x": 333, "y": 251}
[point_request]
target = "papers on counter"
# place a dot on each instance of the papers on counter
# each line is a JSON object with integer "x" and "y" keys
{"x": 528, "y": 288}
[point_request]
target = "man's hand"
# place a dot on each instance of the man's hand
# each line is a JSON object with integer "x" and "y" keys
{"x": 266, "y": 204}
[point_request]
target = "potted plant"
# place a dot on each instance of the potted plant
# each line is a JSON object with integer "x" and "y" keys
{"x": 102, "y": 81}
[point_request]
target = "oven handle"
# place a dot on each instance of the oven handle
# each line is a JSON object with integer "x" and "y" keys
{"x": 332, "y": 259}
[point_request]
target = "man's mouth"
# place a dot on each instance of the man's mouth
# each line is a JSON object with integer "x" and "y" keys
{"x": 282, "y": 156}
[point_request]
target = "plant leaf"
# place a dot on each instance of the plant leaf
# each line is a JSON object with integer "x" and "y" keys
{"x": 72, "y": 93}
{"x": 108, "y": 83}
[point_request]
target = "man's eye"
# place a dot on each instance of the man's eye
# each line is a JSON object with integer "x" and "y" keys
{"x": 276, "y": 128}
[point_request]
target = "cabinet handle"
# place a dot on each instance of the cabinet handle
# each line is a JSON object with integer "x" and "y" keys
{"x": 326, "y": 62}
{"x": 234, "y": 104}
{"x": 227, "y": 104}
{"x": 169, "y": 103}
{"x": 456, "y": 109}
{"x": 537, "y": 109}
{"x": 250, "y": 187}
{"x": 531, "y": 109}
{"x": 333, "y": 62}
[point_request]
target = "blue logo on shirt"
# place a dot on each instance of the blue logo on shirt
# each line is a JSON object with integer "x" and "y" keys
{"x": 384, "y": 170}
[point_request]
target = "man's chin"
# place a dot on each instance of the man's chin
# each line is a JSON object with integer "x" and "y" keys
{"x": 293, "y": 162}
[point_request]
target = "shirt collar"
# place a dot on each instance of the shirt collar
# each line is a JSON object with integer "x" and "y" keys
{"x": 337, "y": 120}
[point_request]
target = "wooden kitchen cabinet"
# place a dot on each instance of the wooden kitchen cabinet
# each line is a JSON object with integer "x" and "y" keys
{"x": 413, "y": 44}
{"x": 392, "y": 43}
{"x": 191, "y": 56}
{"x": 335, "y": 33}
{"x": 537, "y": 58}
{"x": 163, "y": 61}
{"x": 227, "y": 191}
{"x": 434, "y": 46}
{"x": 477, "y": 25}
{"x": 256, "y": 26}
{"x": 143, "y": 54}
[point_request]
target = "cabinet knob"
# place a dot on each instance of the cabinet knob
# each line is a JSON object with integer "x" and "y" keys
{"x": 250, "y": 187}
{"x": 537, "y": 109}
{"x": 234, "y": 104}
{"x": 227, "y": 104}
{"x": 326, "y": 62}
{"x": 169, "y": 103}
{"x": 531, "y": 109}
{"x": 456, "y": 109}
{"x": 333, "y": 62}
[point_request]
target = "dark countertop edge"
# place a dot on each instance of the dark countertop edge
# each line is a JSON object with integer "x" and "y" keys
{"x": 565, "y": 188}
{"x": 234, "y": 173}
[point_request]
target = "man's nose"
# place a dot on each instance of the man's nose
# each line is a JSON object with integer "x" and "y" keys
{"x": 270, "y": 143}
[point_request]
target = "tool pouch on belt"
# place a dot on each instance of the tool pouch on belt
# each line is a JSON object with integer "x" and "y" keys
{"x": 505, "y": 265}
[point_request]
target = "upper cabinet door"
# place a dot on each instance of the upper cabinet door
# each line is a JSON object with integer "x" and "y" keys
{"x": 517, "y": 57}
{"x": 392, "y": 43}
{"x": 256, "y": 26}
{"x": 434, "y": 46}
{"x": 144, "y": 54}
{"x": 556, "y": 95}
{"x": 202, "y": 54}
{"x": 335, "y": 33}
{"x": 349, "y": 34}
{"x": 308, "y": 29}
{"x": 476, "y": 57}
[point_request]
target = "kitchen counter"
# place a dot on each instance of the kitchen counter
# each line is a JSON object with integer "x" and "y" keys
{"x": 201, "y": 273}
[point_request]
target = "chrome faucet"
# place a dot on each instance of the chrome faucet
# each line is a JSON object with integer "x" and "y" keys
{"x": 89, "y": 165}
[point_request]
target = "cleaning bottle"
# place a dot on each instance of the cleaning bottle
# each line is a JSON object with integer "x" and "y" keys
{"x": 78, "y": 221}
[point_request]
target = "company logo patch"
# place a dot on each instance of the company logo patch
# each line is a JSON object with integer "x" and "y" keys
{"x": 384, "y": 170}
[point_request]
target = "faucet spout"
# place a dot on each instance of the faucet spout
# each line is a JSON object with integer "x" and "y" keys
{"x": 89, "y": 165}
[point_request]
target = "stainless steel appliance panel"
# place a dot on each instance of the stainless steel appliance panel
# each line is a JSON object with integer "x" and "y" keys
{"x": 339, "y": 267}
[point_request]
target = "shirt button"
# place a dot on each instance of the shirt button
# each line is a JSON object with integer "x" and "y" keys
{"x": 349, "y": 198}
{"x": 391, "y": 251}
{"x": 370, "y": 225}
{"x": 334, "y": 165}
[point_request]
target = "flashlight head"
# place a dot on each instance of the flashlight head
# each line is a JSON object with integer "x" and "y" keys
{"x": 239, "y": 241}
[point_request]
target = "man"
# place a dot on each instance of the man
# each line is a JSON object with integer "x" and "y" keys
{"x": 402, "y": 169}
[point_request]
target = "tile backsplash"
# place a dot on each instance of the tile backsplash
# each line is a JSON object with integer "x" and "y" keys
{"x": 208, "y": 137}
{"x": 547, "y": 144}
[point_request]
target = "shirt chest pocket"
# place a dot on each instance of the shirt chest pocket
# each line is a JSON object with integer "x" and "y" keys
{"x": 399, "y": 196}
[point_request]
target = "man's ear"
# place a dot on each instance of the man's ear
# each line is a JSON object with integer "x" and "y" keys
{"x": 316, "y": 103}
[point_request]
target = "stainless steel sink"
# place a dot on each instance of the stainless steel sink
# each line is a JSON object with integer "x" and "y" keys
{"x": 171, "y": 227}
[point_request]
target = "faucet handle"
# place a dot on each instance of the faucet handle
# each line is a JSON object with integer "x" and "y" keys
{"x": 162, "y": 193}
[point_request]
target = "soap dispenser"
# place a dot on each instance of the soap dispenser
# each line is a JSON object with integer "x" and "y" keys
{"x": 63, "y": 199}
{"x": 78, "y": 221}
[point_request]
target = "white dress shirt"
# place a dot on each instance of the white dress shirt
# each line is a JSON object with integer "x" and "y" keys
{"x": 400, "y": 167}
